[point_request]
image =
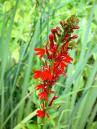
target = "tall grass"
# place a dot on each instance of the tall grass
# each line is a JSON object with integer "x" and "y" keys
{"x": 76, "y": 106}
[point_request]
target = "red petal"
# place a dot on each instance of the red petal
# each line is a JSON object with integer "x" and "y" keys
{"x": 47, "y": 115}
{"x": 74, "y": 37}
{"x": 51, "y": 91}
{"x": 38, "y": 74}
{"x": 39, "y": 86}
{"x": 40, "y": 113}
{"x": 54, "y": 98}
{"x": 41, "y": 52}
{"x": 67, "y": 56}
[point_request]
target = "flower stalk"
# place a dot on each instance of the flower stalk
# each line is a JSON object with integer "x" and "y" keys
{"x": 56, "y": 50}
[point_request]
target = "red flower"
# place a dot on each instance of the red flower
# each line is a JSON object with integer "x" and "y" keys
{"x": 43, "y": 94}
{"x": 44, "y": 75}
{"x": 56, "y": 50}
{"x": 41, "y": 114}
{"x": 40, "y": 52}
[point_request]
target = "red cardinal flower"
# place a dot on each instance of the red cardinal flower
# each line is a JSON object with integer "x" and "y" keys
{"x": 40, "y": 51}
{"x": 43, "y": 94}
{"x": 56, "y": 50}
{"x": 41, "y": 114}
{"x": 44, "y": 75}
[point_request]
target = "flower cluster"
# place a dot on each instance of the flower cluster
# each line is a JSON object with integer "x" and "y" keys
{"x": 56, "y": 50}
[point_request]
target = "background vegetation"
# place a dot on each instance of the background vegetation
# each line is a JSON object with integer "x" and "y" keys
{"x": 26, "y": 24}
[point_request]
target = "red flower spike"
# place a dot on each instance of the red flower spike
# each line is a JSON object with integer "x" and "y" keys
{"x": 57, "y": 55}
{"x": 40, "y": 52}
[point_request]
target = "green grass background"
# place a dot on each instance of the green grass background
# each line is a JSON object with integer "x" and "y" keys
{"x": 26, "y": 24}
